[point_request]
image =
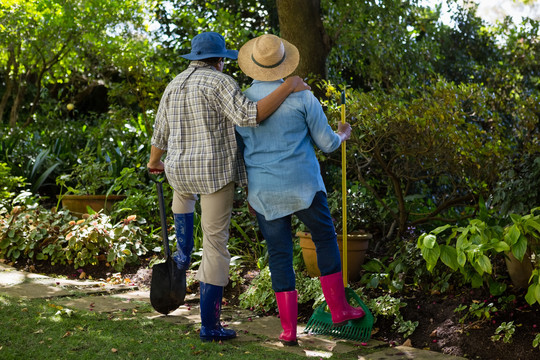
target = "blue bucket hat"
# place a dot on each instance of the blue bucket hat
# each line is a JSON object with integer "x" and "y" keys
{"x": 208, "y": 45}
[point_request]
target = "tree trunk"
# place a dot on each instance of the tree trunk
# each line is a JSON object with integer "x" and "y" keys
{"x": 300, "y": 23}
{"x": 14, "y": 115}
{"x": 12, "y": 63}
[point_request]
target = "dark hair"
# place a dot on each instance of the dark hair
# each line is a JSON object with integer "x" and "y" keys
{"x": 212, "y": 60}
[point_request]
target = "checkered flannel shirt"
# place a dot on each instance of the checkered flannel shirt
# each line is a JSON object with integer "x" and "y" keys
{"x": 195, "y": 125}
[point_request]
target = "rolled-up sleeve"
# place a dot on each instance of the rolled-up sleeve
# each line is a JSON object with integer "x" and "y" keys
{"x": 322, "y": 134}
{"x": 235, "y": 105}
{"x": 161, "y": 128}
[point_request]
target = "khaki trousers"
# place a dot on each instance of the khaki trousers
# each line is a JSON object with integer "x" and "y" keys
{"x": 216, "y": 211}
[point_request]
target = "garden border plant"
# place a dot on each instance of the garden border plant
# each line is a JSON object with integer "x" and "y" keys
{"x": 471, "y": 249}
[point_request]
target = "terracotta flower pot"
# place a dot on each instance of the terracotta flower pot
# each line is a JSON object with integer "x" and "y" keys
{"x": 357, "y": 245}
{"x": 77, "y": 204}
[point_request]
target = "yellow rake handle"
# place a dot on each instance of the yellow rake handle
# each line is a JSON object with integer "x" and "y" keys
{"x": 344, "y": 269}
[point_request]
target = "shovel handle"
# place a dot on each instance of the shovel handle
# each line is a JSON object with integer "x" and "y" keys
{"x": 162, "y": 211}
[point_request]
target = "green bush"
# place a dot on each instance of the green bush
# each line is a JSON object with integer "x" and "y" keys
{"x": 472, "y": 249}
{"x": 8, "y": 185}
{"x": 423, "y": 154}
{"x": 36, "y": 233}
{"x": 261, "y": 298}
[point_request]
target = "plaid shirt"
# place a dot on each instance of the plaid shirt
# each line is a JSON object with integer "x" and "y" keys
{"x": 195, "y": 124}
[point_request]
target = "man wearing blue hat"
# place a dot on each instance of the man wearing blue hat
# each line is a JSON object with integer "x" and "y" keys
{"x": 195, "y": 125}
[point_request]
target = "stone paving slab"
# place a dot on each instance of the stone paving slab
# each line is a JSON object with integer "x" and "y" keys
{"x": 30, "y": 285}
{"x": 405, "y": 353}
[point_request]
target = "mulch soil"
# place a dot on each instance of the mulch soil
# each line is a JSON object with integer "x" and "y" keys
{"x": 439, "y": 327}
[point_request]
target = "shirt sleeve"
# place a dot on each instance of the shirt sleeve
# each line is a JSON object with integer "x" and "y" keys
{"x": 161, "y": 128}
{"x": 234, "y": 105}
{"x": 322, "y": 134}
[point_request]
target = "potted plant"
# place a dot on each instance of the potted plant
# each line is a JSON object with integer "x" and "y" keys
{"x": 357, "y": 238}
{"x": 523, "y": 238}
{"x": 91, "y": 186}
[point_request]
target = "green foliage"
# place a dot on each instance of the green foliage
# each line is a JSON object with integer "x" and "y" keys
{"x": 8, "y": 185}
{"x": 260, "y": 297}
{"x": 239, "y": 20}
{"x": 36, "y": 233}
{"x": 471, "y": 249}
{"x": 46, "y": 41}
{"x": 89, "y": 177}
{"x": 518, "y": 187}
{"x": 536, "y": 341}
{"x": 477, "y": 311}
{"x": 388, "y": 306}
{"x": 425, "y": 154}
{"x": 505, "y": 331}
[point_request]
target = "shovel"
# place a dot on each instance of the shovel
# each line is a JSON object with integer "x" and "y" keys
{"x": 168, "y": 285}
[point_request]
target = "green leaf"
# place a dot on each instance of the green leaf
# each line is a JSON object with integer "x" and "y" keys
{"x": 530, "y": 296}
{"x": 496, "y": 288}
{"x": 431, "y": 256}
{"x": 484, "y": 263}
{"x": 520, "y": 247}
{"x": 449, "y": 257}
{"x": 476, "y": 280}
{"x": 373, "y": 266}
{"x": 501, "y": 246}
{"x": 532, "y": 223}
{"x": 430, "y": 241}
{"x": 440, "y": 229}
{"x": 5, "y": 243}
{"x": 461, "y": 258}
{"x": 512, "y": 235}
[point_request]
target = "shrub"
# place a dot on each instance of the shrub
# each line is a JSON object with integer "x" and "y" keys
{"x": 37, "y": 233}
{"x": 8, "y": 184}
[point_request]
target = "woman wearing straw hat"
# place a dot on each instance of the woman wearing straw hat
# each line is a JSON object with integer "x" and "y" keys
{"x": 195, "y": 125}
{"x": 284, "y": 179}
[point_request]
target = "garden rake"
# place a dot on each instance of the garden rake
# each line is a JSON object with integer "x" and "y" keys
{"x": 321, "y": 321}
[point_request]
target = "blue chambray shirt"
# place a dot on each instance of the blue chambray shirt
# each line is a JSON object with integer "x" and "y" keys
{"x": 283, "y": 171}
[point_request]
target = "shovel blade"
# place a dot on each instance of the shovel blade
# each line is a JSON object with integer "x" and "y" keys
{"x": 168, "y": 287}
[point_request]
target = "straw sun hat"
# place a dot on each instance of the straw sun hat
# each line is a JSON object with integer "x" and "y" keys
{"x": 268, "y": 58}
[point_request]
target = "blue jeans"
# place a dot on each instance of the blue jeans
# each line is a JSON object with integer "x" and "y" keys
{"x": 278, "y": 235}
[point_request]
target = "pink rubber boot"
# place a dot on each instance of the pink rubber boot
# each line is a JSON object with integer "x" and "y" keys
{"x": 288, "y": 314}
{"x": 334, "y": 294}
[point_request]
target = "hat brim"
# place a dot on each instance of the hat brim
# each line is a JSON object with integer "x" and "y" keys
{"x": 256, "y": 72}
{"x": 230, "y": 54}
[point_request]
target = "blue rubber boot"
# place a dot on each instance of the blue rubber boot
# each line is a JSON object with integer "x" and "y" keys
{"x": 211, "y": 329}
{"x": 183, "y": 224}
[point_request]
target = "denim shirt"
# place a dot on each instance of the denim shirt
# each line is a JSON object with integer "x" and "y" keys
{"x": 283, "y": 171}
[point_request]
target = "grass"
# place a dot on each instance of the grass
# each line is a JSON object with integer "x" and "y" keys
{"x": 32, "y": 329}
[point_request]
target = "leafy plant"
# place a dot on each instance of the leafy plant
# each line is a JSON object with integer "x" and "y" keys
{"x": 261, "y": 298}
{"x": 472, "y": 248}
{"x": 392, "y": 273}
{"x": 89, "y": 177}
{"x": 536, "y": 341}
{"x": 478, "y": 311}
{"x": 505, "y": 331}
{"x": 8, "y": 185}
{"x": 388, "y": 306}
{"x": 37, "y": 233}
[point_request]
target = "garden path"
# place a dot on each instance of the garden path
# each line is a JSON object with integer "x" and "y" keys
{"x": 105, "y": 297}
